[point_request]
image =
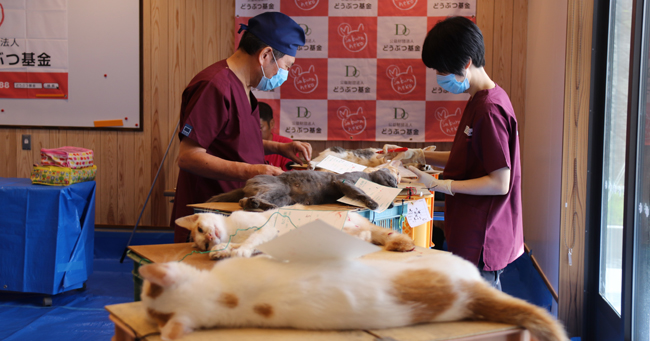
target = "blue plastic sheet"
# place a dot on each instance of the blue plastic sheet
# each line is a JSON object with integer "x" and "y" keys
{"x": 46, "y": 236}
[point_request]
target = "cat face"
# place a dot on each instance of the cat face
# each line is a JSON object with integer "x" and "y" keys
{"x": 206, "y": 229}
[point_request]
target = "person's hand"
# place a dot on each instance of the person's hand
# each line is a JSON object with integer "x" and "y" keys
{"x": 430, "y": 182}
{"x": 254, "y": 170}
{"x": 411, "y": 155}
{"x": 289, "y": 150}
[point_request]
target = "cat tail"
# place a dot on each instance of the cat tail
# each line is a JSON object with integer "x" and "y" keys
{"x": 232, "y": 196}
{"x": 487, "y": 303}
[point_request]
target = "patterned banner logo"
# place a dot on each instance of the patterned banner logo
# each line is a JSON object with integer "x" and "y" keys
{"x": 353, "y": 123}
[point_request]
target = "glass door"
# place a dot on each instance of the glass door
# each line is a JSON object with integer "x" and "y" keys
{"x": 617, "y": 260}
{"x": 607, "y": 170}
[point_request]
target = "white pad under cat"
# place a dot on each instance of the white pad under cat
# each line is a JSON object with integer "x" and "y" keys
{"x": 316, "y": 241}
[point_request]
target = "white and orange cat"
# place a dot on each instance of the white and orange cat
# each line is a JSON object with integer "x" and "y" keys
{"x": 240, "y": 233}
{"x": 331, "y": 295}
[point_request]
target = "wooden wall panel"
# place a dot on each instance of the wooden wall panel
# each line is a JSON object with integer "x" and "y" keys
{"x": 8, "y": 148}
{"x": 485, "y": 21}
{"x": 180, "y": 38}
{"x": 577, "y": 85}
{"x": 226, "y": 29}
{"x": 125, "y": 178}
{"x": 108, "y": 179}
{"x": 193, "y": 39}
{"x": 159, "y": 106}
{"x": 502, "y": 52}
{"x": 210, "y": 28}
{"x": 177, "y": 83}
{"x": 518, "y": 78}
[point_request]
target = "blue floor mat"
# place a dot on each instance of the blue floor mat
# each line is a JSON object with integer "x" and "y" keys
{"x": 78, "y": 315}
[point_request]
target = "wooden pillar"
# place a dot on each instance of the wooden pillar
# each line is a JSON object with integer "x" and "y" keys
{"x": 574, "y": 163}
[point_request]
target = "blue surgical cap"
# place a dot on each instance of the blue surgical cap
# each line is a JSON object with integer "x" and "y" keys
{"x": 277, "y": 30}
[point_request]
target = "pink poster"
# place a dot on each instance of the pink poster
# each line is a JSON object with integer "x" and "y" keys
{"x": 360, "y": 75}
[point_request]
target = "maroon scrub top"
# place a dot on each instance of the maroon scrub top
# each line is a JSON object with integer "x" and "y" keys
{"x": 216, "y": 114}
{"x": 487, "y": 139}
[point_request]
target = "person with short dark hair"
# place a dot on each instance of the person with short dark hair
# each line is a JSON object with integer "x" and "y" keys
{"x": 482, "y": 172}
{"x": 266, "y": 125}
{"x": 221, "y": 143}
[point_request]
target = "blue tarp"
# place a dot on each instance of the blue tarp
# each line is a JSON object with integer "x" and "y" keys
{"x": 46, "y": 236}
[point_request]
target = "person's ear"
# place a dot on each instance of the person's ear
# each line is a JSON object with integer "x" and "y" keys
{"x": 264, "y": 54}
{"x": 469, "y": 62}
{"x": 271, "y": 124}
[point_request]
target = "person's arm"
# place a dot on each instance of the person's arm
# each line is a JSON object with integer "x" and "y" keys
{"x": 289, "y": 150}
{"x": 495, "y": 183}
{"x": 437, "y": 159}
{"x": 195, "y": 159}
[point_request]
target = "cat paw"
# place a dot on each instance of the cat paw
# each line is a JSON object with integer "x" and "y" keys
{"x": 243, "y": 252}
{"x": 371, "y": 204}
{"x": 399, "y": 243}
{"x": 366, "y": 236}
{"x": 220, "y": 251}
{"x": 249, "y": 203}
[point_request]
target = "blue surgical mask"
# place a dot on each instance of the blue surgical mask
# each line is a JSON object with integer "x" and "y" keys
{"x": 267, "y": 84}
{"x": 450, "y": 83}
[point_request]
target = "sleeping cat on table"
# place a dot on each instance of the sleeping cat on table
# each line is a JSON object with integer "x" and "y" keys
{"x": 238, "y": 234}
{"x": 361, "y": 294}
{"x": 306, "y": 187}
{"x": 368, "y": 157}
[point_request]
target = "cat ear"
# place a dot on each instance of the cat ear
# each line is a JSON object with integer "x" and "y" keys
{"x": 164, "y": 274}
{"x": 188, "y": 221}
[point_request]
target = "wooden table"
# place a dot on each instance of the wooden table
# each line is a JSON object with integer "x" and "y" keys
{"x": 131, "y": 324}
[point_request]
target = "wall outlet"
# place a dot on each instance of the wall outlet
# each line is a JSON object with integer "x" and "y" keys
{"x": 27, "y": 142}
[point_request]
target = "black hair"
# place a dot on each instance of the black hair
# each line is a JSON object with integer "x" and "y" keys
{"x": 266, "y": 113}
{"x": 251, "y": 44}
{"x": 451, "y": 43}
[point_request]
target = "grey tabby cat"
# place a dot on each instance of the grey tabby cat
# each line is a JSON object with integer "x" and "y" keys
{"x": 305, "y": 187}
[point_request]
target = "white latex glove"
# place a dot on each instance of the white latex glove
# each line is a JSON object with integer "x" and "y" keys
{"x": 430, "y": 182}
{"x": 412, "y": 155}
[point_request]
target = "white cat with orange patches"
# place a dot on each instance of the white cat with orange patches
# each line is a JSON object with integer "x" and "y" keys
{"x": 240, "y": 233}
{"x": 334, "y": 295}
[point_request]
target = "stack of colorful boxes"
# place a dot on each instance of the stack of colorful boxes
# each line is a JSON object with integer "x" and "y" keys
{"x": 64, "y": 166}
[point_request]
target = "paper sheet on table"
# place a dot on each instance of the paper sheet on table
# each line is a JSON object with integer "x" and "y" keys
{"x": 406, "y": 173}
{"x": 383, "y": 195}
{"x": 316, "y": 241}
{"x": 340, "y": 166}
{"x": 290, "y": 219}
{"x": 418, "y": 213}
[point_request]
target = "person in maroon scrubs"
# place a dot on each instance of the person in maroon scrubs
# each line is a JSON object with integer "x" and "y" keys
{"x": 221, "y": 143}
{"x": 266, "y": 126}
{"x": 482, "y": 172}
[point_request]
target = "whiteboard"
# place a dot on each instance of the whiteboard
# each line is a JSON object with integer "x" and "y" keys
{"x": 104, "y": 75}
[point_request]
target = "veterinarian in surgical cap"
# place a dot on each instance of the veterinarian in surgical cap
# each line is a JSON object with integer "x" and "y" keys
{"x": 221, "y": 143}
